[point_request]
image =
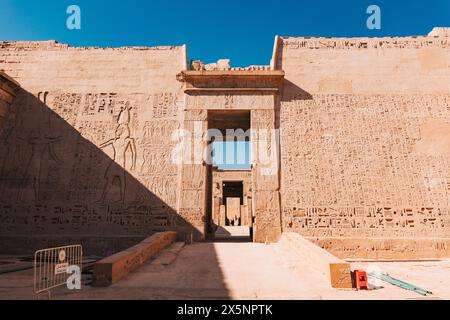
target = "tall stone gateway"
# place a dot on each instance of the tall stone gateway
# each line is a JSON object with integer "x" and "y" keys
{"x": 233, "y": 99}
{"x": 350, "y": 143}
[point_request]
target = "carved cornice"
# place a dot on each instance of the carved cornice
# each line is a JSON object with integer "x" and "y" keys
{"x": 414, "y": 42}
{"x": 232, "y": 80}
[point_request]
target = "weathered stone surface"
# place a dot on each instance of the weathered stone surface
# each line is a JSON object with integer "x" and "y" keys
{"x": 364, "y": 143}
{"x": 114, "y": 268}
{"x": 338, "y": 272}
{"x": 87, "y": 150}
{"x": 439, "y": 32}
{"x": 245, "y": 221}
{"x": 386, "y": 248}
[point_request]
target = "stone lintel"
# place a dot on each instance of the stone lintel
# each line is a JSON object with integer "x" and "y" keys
{"x": 229, "y": 90}
{"x": 233, "y": 81}
{"x": 190, "y": 74}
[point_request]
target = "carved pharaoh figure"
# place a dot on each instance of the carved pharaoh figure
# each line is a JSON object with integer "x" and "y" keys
{"x": 121, "y": 143}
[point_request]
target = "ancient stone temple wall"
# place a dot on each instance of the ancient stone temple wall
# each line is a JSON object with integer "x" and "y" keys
{"x": 228, "y": 92}
{"x": 365, "y": 144}
{"x": 87, "y": 145}
{"x": 85, "y": 154}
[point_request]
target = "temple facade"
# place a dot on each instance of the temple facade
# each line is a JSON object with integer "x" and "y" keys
{"x": 350, "y": 145}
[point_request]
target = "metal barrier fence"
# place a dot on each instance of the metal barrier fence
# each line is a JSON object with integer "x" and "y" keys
{"x": 50, "y": 266}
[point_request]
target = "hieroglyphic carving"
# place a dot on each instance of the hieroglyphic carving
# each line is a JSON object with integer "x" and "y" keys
{"x": 71, "y": 160}
{"x": 250, "y": 83}
{"x": 48, "y": 219}
{"x": 228, "y": 101}
{"x": 67, "y": 105}
{"x": 351, "y": 168}
{"x": 193, "y": 177}
{"x": 154, "y": 130}
{"x": 364, "y": 43}
{"x": 155, "y": 157}
{"x": 101, "y": 103}
{"x": 368, "y": 221}
{"x": 164, "y": 105}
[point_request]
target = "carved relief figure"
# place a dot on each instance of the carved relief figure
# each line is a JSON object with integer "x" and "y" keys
{"x": 121, "y": 143}
{"x": 40, "y": 144}
{"x": 10, "y": 166}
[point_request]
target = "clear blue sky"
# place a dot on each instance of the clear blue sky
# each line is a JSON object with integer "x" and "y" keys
{"x": 242, "y": 30}
{"x": 232, "y": 155}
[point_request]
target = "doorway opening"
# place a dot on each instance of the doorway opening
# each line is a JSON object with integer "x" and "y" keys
{"x": 233, "y": 197}
{"x": 229, "y": 210}
{"x": 230, "y": 139}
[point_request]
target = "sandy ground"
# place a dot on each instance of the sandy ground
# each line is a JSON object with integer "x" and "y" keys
{"x": 240, "y": 271}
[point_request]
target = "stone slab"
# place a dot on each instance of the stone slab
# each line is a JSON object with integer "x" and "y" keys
{"x": 337, "y": 271}
{"x": 114, "y": 268}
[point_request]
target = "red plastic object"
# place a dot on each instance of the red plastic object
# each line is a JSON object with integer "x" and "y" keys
{"x": 361, "y": 279}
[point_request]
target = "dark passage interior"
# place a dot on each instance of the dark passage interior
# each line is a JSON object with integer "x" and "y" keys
{"x": 233, "y": 189}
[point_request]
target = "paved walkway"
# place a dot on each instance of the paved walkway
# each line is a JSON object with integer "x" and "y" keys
{"x": 238, "y": 271}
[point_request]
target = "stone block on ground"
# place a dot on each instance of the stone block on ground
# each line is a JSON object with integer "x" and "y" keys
{"x": 335, "y": 270}
{"x": 114, "y": 268}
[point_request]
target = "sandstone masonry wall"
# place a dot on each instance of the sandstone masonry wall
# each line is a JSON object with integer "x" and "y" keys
{"x": 86, "y": 146}
{"x": 365, "y": 144}
{"x": 86, "y": 152}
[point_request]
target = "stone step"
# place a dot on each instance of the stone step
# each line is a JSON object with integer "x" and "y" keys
{"x": 241, "y": 233}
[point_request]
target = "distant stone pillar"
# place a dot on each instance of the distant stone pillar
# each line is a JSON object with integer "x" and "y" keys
{"x": 215, "y": 210}
{"x": 216, "y": 195}
{"x": 222, "y": 216}
{"x": 244, "y": 215}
